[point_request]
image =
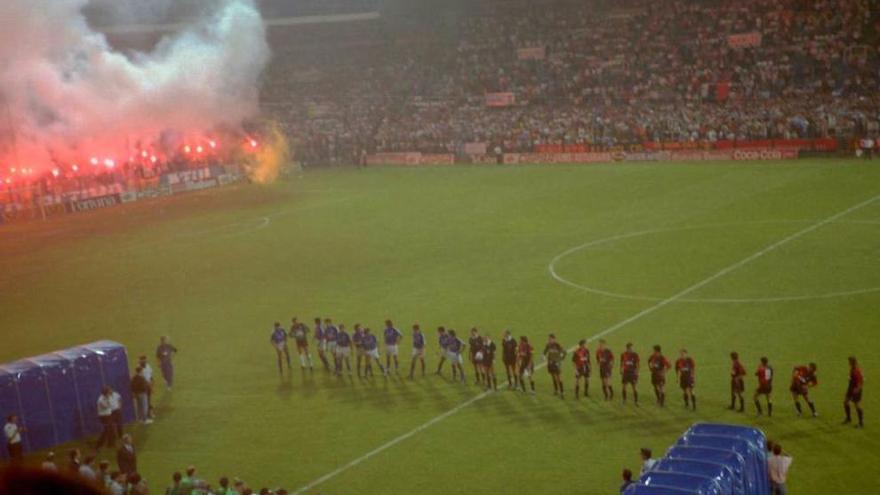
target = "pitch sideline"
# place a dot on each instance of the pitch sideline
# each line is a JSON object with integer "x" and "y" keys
{"x": 617, "y": 326}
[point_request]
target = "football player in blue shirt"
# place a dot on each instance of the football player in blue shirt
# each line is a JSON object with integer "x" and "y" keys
{"x": 321, "y": 344}
{"x": 330, "y": 332}
{"x": 391, "y": 336}
{"x": 343, "y": 350}
{"x": 443, "y": 340}
{"x": 418, "y": 350}
{"x": 371, "y": 349}
{"x": 456, "y": 347}
{"x": 358, "y": 339}
{"x": 279, "y": 342}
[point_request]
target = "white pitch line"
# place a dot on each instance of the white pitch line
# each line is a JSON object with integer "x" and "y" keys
{"x": 641, "y": 314}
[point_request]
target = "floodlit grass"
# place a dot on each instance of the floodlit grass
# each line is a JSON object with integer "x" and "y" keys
{"x": 459, "y": 247}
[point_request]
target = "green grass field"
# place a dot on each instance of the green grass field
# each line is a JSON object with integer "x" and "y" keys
{"x": 468, "y": 246}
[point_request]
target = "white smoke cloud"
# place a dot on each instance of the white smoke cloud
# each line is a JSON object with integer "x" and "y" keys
{"x": 69, "y": 94}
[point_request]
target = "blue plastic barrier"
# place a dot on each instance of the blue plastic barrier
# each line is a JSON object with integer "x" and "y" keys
{"x": 719, "y": 472}
{"x": 55, "y": 395}
{"x": 699, "y": 484}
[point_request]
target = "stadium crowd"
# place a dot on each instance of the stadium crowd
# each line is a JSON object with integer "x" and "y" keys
{"x": 591, "y": 74}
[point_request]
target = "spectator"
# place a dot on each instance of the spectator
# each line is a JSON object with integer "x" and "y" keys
{"x": 105, "y": 415}
{"x": 148, "y": 375}
{"x": 22, "y": 481}
{"x": 13, "y": 432}
{"x": 126, "y": 457}
{"x": 117, "y": 483}
{"x": 116, "y": 412}
{"x": 73, "y": 461}
{"x": 778, "y": 465}
{"x": 190, "y": 482}
{"x": 165, "y": 353}
{"x": 627, "y": 480}
{"x": 87, "y": 468}
{"x": 140, "y": 389}
{"x": 137, "y": 485}
{"x": 647, "y": 461}
{"x": 176, "y": 487}
{"x": 104, "y": 473}
{"x": 224, "y": 487}
{"x": 49, "y": 462}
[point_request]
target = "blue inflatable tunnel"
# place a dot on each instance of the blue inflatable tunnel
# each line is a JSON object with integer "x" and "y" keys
{"x": 719, "y": 472}
{"x": 114, "y": 372}
{"x": 9, "y": 402}
{"x": 86, "y": 369}
{"x": 657, "y": 490}
{"x": 36, "y": 409}
{"x": 66, "y": 408}
{"x": 756, "y": 464}
{"x": 733, "y": 461}
{"x": 55, "y": 395}
{"x": 700, "y": 484}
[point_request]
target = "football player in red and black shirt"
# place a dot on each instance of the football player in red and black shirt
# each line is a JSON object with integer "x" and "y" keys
{"x": 803, "y": 378}
{"x": 508, "y": 354}
{"x": 854, "y": 392}
{"x": 605, "y": 361}
{"x": 765, "y": 386}
{"x": 684, "y": 368}
{"x": 737, "y": 382}
{"x": 659, "y": 366}
{"x": 629, "y": 371}
{"x": 475, "y": 344}
{"x": 581, "y": 360}
{"x": 525, "y": 354}
{"x": 554, "y": 353}
{"x": 489, "y": 363}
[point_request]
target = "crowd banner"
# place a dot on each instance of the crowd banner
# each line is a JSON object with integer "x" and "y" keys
{"x": 400, "y": 158}
{"x": 500, "y": 100}
{"x": 549, "y": 158}
{"x": 411, "y": 159}
{"x": 95, "y": 203}
{"x": 532, "y": 53}
{"x": 475, "y": 148}
{"x": 437, "y": 159}
{"x": 764, "y": 154}
{"x": 744, "y": 40}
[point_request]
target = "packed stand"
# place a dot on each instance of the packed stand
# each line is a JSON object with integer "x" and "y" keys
{"x": 603, "y": 75}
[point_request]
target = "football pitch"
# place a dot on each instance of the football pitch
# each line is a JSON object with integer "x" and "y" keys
{"x": 776, "y": 259}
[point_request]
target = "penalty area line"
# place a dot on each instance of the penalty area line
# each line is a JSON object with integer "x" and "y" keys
{"x": 617, "y": 326}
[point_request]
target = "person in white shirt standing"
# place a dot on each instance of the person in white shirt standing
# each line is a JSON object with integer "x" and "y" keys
{"x": 105, "y": 415}
{"x": 116, "y": 407}
{"x": 866, "y": 146}
{"x": 647, "y": 461}
{"x": 778, "y": 465}
{"x": 13, "y": 432}
{"x": 148, "y": 375}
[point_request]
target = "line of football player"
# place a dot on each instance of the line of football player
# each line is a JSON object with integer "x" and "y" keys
{"x": 335, "y": 347}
